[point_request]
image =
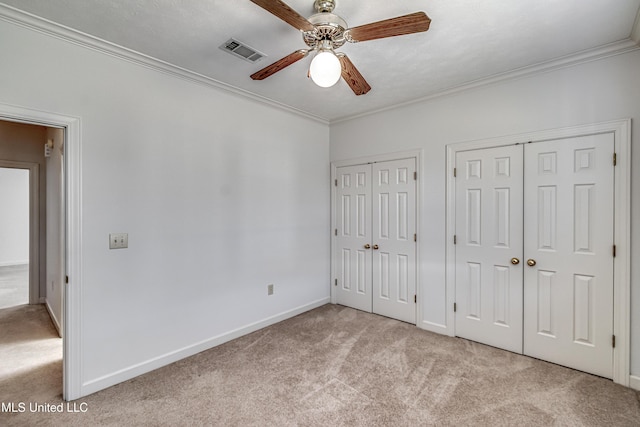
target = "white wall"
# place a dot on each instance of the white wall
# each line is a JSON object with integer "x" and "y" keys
{"x": 14, "y": 216}
{"x": 220, "y": 195}
{"x": 599, "y": 91}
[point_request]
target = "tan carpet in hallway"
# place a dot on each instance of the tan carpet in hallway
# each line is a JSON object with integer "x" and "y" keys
{"x": 30, "y": 356}
{"x": 338, "y": 366}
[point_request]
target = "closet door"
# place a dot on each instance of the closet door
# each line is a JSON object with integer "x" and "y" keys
{"x": 393, "y": 243}
{"x": 489, "y": 246}
{"x": 375, "y": 239}
{"x": 354, "y": 237}
{"x": 568, "y": 271}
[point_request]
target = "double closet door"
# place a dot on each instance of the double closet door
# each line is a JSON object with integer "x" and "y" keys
{"x": 375, "y": 238}
{"x": 534, "y": 250}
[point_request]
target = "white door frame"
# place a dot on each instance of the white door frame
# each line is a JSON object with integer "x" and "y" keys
{"x": 622, "y": 226}
{"x": 413, "y": 154}
{"x": 71, "y": 307}
{"x": 34, "y": 225}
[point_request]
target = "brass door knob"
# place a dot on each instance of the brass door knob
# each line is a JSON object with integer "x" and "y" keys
{"x": 375, "y": 247}
{"x": 367, "y": 246}
{"x": 515, "y": 261}
{"x": 531, "y": 262}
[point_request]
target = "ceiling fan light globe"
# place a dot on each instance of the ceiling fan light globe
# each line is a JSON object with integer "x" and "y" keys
{"x": 325, "y": 69}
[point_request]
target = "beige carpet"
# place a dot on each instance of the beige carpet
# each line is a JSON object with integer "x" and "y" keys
{"x": 336, "y": 366}
{"x": 14, "y": 285}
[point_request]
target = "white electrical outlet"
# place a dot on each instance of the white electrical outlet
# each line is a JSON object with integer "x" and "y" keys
{"x": 118, "y": 240}
{"x": 270, "y": 289}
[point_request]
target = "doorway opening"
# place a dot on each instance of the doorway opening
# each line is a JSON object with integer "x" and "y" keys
{"x": 32, "y": 252}
{"x": 69, "y": 233}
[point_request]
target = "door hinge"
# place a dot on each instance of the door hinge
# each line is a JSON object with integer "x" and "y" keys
{"x": 455, "y": 307}
{"x": 66, "y": 279}
{"x": 614, "y": 251}
{"x": 455, "y": 239}
{"x": 415, "y": 176}
{"x": 415, "y": 237}
{"x": 336, "y": 182}
{"x": 455, "y": 172}
{"x": 335, "y": 283}
{"x": 415, "y": 298}
{"x": 613, "y": 341}
{"x": 615, "y": 159}
{"x": 335, "y": 232}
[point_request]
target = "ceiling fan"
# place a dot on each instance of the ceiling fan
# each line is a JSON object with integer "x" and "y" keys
{"x": 324, "y": 32}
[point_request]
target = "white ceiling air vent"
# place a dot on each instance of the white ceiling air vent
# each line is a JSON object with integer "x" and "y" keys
{"x": 241, "y": 50}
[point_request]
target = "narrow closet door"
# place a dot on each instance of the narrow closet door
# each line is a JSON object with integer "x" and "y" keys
{"x": 568, "y": 296}
{"x": 393, "y": 242}
{"x": 354, "y": 237}
{"x": 489, "y": 246}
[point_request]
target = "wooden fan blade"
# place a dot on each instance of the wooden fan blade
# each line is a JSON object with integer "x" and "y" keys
{"x": 352, "y": 76}
{"x": 279, "y": 65}
{"x": 407, "y": 24}
{"x": 284, "y": 12}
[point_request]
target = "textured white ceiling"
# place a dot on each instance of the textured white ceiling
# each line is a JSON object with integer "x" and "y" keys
{"x": 468, "y": 40}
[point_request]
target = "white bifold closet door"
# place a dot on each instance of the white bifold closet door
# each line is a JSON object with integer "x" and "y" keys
{"x": 488, "y": 236}
{"x": 354, "y": 283}
{"x": 534, "y": 252}
{"x": 376, "y": 226}
{"x": 568, "y": 293}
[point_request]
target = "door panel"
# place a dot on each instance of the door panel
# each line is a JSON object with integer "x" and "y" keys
{"x": 568, "y": 293}
{"x": 354, "y": 232}
{"x": 393, "y": 244}
{"x": 489, "y": 235}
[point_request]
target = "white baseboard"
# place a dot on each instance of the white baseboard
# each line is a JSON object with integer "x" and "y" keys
{"x": 109, "y": 380}
{"x": 634, "y": 382}
{"x": 12, "y": 263}
{"x": 54, "y": 319}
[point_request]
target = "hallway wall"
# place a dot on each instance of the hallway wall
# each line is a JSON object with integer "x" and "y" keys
{"x": 14, "y": 216}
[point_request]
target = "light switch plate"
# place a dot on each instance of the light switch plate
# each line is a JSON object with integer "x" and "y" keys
{"x": 118, "y": 240}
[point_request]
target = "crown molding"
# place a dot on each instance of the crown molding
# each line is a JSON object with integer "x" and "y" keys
{"x": 605, "y": 51}
{"x": 67, "y": 34}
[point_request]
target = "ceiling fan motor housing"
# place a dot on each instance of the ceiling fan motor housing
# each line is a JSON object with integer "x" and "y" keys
{"x": 328, "y": 27}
